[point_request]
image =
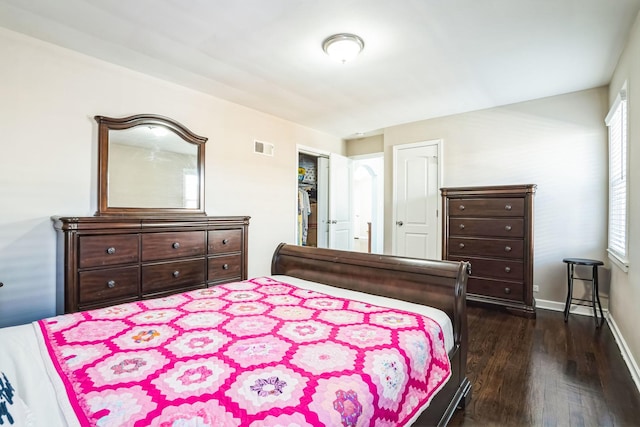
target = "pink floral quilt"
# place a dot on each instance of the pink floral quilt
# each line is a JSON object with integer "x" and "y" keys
{"x": 254, "y": 353}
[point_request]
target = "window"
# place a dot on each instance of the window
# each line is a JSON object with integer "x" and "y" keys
{"x": 191, "y": 188}
{"x": 617, "y": 123}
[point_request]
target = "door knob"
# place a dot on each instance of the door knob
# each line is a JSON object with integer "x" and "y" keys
{"x": 399, "y": 223}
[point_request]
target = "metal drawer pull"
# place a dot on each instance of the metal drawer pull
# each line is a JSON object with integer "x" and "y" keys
{"x": 507, "y": 207}
{"x": 507, "y": 269}
{"x": 507, "y": 227}
{"x": 175, "y": 245}
{"x": 176, "y": 273}
{"x": 111, "y": 250}
{"x": 507, "y": 248}
{"x": 507, "y": 290}
{"x": 1, "y": 284}
{"x": 461, "y": 226}
{"x": 461, "y": 207}
{"x": 225, "y": 241}
{"x": 111, "y": 284}
{"x": 225, "y": 266}
{"x": 461, "y": 245}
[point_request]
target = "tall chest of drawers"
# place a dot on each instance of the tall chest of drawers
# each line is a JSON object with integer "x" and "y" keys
{"x": 492, "y": 228}
{"x": 103, "y": 261}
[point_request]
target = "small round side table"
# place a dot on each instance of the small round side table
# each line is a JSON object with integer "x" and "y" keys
{"x": 595, "y": 296}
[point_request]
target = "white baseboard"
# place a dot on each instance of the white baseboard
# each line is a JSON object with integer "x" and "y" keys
{"x": 575, "y": 308}
{"x": 624, "y": 349}
{"x": 622, "y": 344}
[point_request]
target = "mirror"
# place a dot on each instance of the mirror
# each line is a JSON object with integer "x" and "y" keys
{"x": 149, "y": 164}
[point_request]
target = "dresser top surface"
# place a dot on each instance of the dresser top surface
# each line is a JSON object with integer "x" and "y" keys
{"x": 493, "y": 191}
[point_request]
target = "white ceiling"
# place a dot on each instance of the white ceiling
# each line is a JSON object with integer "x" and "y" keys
{"x": 422, "y": 58}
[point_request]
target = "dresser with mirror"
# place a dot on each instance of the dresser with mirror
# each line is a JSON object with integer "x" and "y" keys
{"x": 150, "y": 236}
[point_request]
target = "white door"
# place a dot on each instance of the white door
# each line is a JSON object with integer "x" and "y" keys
{"x": 416, "y": 200}
{"x": 340, "y": 227}
{"x": 323, "y": 202}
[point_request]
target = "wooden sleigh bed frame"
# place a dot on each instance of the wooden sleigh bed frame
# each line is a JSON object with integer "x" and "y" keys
{"x": 439, "y": 284}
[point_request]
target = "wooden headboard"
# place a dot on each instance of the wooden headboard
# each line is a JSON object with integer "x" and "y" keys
{"x": 439, "y": 284}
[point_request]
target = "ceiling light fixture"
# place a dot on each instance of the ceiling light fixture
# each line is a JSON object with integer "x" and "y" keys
{"x": 343, "y": 47}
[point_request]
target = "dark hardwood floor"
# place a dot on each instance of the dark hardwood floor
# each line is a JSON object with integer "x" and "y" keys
{"x": 544, "y": 372}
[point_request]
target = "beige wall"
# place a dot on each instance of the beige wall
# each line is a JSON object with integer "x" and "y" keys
{"x": 558, "y": 143}
{"x": 625, "y": 287}
{"x": 367, "y": 145}
{"x": 48, "y": 159}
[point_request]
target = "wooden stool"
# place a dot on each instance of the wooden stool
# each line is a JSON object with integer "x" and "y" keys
{"x": 595, "y": 296}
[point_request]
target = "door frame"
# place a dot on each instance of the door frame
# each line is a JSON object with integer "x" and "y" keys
{"x": 377, "y": 225}
{"x": 312, "y": 152}
{"x": 394, "y": 199}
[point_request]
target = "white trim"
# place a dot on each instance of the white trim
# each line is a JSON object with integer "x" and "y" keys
{"x": 616, "y": 257}
{"x": 621, "y": 263}
{"x": 627, "y": 356}
{"x": 312, "y": 152}
{"x": 622, "y": 96}
{"x": 581, "y": 310}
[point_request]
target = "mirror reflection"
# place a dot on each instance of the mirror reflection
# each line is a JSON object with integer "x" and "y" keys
{"x": 152, "y": 167}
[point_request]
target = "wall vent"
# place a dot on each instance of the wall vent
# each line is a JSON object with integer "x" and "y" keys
{"x": 262, "y": 147}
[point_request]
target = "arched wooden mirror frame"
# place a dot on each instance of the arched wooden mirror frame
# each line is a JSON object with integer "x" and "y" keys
{"x": 107, "y": 124}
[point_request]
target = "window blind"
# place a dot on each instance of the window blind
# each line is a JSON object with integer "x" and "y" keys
{"x": 617, "y": 124}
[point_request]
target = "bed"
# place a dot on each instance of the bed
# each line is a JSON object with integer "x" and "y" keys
{"x": 90, "y": 368}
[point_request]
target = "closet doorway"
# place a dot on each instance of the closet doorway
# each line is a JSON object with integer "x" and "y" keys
{"x": 324, "y": 200}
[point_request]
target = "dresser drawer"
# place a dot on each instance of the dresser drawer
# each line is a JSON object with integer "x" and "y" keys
{"x": 495, "y": 288}
{"x": 172, "y": 275}
{"x": 108, "y": 284}
{"x": 486, "y": 207}
{"x": 159, "y": 246}
{"x": 112, "y": 249}
{"x": 503, "y": 248}
{"x": 494, "y": 227}
{"x": 224, "y": 267}
{"x": 500, "y": 269}
{"x": 223, "y": 241}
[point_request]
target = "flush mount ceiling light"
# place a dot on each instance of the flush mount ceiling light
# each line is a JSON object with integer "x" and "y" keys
{"x": 343, "y": 47}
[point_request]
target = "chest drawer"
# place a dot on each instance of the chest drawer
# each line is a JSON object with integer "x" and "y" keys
{"x": 224, "y": 267}
{"x": 495, "y": 288}
{"x": 172, "y": 275}
{"x": 159, "y": 246}
{"x": 108, "y": 284}
{"x": 223, "y": 241}
{"x": 112, "y": 249}
{"x": 502, "y": 248}
{"x": 495, "y": 227}
{"x": 486, "y": 207}
{"x": 508, "y": 269}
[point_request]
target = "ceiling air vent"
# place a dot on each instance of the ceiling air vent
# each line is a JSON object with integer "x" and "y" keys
{"x": 261, "y": 147}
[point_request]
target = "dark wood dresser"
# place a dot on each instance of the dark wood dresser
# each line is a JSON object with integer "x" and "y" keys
{"x": 107, "y": 260}
{"x": 492, "y": 228}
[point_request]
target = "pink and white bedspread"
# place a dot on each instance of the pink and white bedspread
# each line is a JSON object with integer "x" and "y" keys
{"x": 255, "y": 353}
